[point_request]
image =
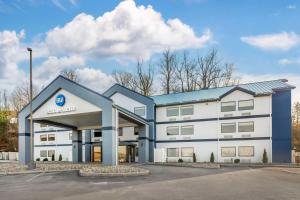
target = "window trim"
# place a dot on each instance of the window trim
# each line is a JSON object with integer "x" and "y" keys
{"x": 228, "y": 102}
{"x": 45, "y": 137}
{"x": 246, "y": 131}
{"x": 173, "y": 107}
{"x": 187, "y": 126}
{"x": 245, "y": 100}
{"x": 49, "y": 137}
{"x": 246, "y": 156}
{"x": 187, "y": 106}
{"x": 229, "y": 156}
{"x": 186, "y": 148}
{"x": 140, "y": 107}
{"x": 43, "y": 156}
{"x": 173, "y": 156}
{"x": 172, "y": 127}
{"x": 229, "y": 123}
{"x": 51, "y": 150}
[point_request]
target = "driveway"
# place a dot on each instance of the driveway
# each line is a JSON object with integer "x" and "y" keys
{"x": 163, "y": 183}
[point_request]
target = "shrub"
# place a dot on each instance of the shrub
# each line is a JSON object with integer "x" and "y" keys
{"x": 265, "y": 157}
{"x": 237, "y": 160}
{"x": 194, "y": 157}
{"x": 38, "y": 159}
{"x": 52, "y": 157}
{"x": 180, "y": 160}
{"x": 212, "y": 157}
{"x": 45, "y": 159}
{"x": 60, "y": 157}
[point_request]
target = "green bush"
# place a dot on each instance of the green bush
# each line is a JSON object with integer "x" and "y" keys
{"x": 38, "y": 159}
{"x": 194, "y": 157}
{"x": 45, "y": 159}
{"x": 237, "y": 160}
{"x": 180, "y": 160}
{"x": 212, "y": 157}
{"x": 52, "y": 157}
{"x": 265, "y": 157}
{"x": 60, "y": 157}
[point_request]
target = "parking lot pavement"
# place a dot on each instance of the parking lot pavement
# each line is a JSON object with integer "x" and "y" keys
{"x": 163, "y": 183}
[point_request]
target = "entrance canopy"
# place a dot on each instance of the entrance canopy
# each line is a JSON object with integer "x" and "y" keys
{"x": 68, "y": 104}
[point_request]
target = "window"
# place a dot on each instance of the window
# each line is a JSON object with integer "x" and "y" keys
{"x": 136, "y": 131}
{"x": 43, "y": 153}
{"x": 51, "y": 137}
{"x": 43, "y": 125}
{"x": 187, "y": 110}
{"x": 187, "y": 152}
{"x": 187, "y": 130}
{"x": 51, "y": 152}
{"x": 246, "y": 126}
{"x": 173, "y": 111}
{"x": 228, "y": 106}
{"x": 120, "y": 131}
{"x": 43, "y": 138}
{"x": 70, "y": 136}
{"x": 228, "y": 128}
{"x": 246, "y": 151}
{"x": 97, "y": 133}
{"x": 172, "y": 152}
{"x": 141, "y": 111}
{"x": 246, "y": 105}
{"x": 228, "y": 151}
{"x": 173, "y": 130}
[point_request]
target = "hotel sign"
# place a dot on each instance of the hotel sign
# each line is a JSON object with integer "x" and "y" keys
{"x": 60, "y": 101}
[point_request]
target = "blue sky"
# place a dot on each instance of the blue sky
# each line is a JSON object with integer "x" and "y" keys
{"x": 262, "y": 38}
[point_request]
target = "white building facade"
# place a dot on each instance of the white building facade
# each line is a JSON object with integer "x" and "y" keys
{"x": 231, "y": 123}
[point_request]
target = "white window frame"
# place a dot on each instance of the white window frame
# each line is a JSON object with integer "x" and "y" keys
{"x": 168, "y": 127}
{"x": 252, "y": 155}
{"x": 252, "y": 130}
{"x": 187, "y": 126}
{"x": 49, "y": 135}
{"x": 247, "y": 107}
{"x": 44, "y": 152}
{"x": 233, "y": 147}
{"x": 140, "y": 108}
{"x": 177, "y": 152}
{"x": 187, "y": 107}
{"x": 228, "y": 124}
{"x": 228, "y": 106}
{"x": 49, "y": 153}
{"x": 45, "y": 136}
{"x": 182, "y": 148}
{"x": 172, "y": 108}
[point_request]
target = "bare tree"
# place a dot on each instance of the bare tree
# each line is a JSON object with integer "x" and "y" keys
{"x": 4, "y": 103}
{"x": 70, "y": 74}
{"x": 143, "y": 79}
{"x": 21, "y": 96}
{"x": 167, "y": 71}
{"x": 124, "y": 78}
{"x": 186, "y": 74}
{"x": 296, "y": 125}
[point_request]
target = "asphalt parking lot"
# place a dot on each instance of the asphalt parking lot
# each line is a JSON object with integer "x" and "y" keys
{"x": 163, "y": 183}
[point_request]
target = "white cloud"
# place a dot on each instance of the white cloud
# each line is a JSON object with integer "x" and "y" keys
{"x": 286, "y": 61}
{"x": 278, "y": 41}
{"x": 128, "y": 31}
{"x": 95, "y": 79}
{"x": 291, "y": 7}
{"x": 293, "y": 79}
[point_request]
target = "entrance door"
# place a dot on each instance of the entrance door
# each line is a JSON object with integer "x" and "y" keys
{"x": 122, "y": 153}
{"x": 97, "y": 154}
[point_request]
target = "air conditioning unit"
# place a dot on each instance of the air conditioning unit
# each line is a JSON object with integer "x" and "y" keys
{"x": 228, "y": 136}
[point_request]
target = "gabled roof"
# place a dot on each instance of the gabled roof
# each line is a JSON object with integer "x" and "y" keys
{"x": 213, "y": 94}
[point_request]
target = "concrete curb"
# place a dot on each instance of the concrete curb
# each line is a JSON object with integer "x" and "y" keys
{"x": 194, "y": 165}
{"x": 260, "y": 165}
{"x": 91, "y": 174}
{"x": 35, "y": 172}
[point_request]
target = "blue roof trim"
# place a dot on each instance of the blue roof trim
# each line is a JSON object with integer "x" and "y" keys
{"x": 215, "y": 94}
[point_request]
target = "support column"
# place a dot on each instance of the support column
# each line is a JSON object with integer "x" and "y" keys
{"x": 24, "y": 140}
{"x": 144, "y": 144}
{"x": 109, "y": 136}
{"x": 88, "y": 145}
{"x": 77, "y": 146}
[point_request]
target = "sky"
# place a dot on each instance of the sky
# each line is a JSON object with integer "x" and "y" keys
{"x": 261, "y": 38}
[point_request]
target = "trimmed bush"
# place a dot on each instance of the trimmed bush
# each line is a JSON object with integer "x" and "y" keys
{"x": 52, "y": 157}
{"x": 212, "y": 157}
{"x": 194, "y": 157}
{"x": 237, "y": 160}
{"x": 265, "y": 157}
{"x": 180, "y": 160}
{"x": 45, "y": 159}
{"x": 38, "y": 159}
{"x": 60, "y": 157}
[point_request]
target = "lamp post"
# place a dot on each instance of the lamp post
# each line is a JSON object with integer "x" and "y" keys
{"x": 31, "y": 164}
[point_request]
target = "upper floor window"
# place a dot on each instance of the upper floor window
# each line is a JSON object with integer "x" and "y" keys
{"x": 43, "y": 138}
{"x": 246, "y": 104}
{"x": 173, "y": 130}
{"x": 246, "y": 126}
{"x": 43, "y": 125}
{"x": 228, "y": 128}
{"x": 97, "y": 133}
{"x": 172, "y": 152}
{"x": 51, "y": 137}
{"x": 187, "y": 110}
{"x": 187, "y": 130}
{"x": 187, "y": 151}
{"x": 228, "y": 106}
{"x": 141, "y": 111}
{"x": 172, "y": 111}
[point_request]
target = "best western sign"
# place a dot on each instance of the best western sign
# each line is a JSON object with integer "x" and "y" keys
{"x": 60, "y": 101}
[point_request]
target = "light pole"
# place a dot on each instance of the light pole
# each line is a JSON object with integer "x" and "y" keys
{"x": 31, "y": 164}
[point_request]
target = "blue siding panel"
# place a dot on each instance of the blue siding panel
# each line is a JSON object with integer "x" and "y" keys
{"x": 281, "y": 127}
